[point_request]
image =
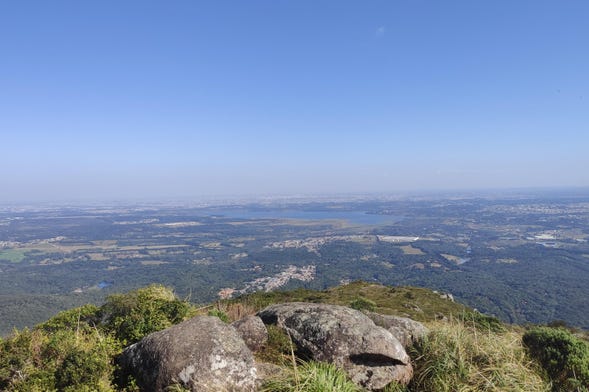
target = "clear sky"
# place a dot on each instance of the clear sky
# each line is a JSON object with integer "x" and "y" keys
{"x": 150, "y": 99}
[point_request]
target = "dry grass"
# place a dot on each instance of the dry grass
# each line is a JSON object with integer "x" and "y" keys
{"x": 459, "y": 357}
{"x": 237, "y": 311}
{"x": 410, "y": 250}
{"x": 452, "y": 258}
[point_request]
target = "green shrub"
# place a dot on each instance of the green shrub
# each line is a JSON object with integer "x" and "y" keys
{"x": 75, "y": 350}
{"x": 20, "y": 362}
{"x": 360, "y": 303}
{"x": 82, "y": 317}
{"x": 64, "y": 360}
{"x": 80, "y": 368}
{"x": 482, "y": 322}
{"x": 138, "y": 313}
{"x": 563, "y": 356}
{"x": 220, "y": 314}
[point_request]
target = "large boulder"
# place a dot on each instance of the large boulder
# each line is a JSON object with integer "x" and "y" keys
{"x": 370, "y": 355}
{"x": 200, "y": 354}
{"x": 407, "y": 331}
{"x": 253, "y": 332}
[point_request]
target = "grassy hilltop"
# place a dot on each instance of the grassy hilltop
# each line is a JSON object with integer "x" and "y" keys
{"x": 467, "y": 351}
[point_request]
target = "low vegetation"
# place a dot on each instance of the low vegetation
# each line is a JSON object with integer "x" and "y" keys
{"x": 75, "y": 350}
{"x": 65, "y": 359}
{"x": 132, "y": 316}
{"x": 563, "y": 356}
{"x": 311, "y": 377}
{"x": 416, "y": 303}
{"x": 464, "y": 351}
{"x": 461, "y": 356}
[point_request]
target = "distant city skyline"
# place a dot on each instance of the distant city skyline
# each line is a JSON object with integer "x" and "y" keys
{"x": 153, "y": 100}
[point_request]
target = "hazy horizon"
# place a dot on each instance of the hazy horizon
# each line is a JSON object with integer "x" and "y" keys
{"x": 282, "y": 200}
{"x": 146, "y": 100}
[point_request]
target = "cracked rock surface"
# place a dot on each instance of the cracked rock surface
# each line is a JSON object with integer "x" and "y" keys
{"x": 371, "y": 355}
{"x": 253, "y": 332}
{"x": 201, "y": 354}
{"x": 407, "y": 331}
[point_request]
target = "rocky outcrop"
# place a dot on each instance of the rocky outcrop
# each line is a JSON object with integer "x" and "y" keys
{"x": 205, "y": 354}
{"x": 371, "y": 355}
{"x": 201, "y": 354}
{"x": 253, "y": 332}
{"x": 447, "y": 296}
{"x": 407, "y": 331}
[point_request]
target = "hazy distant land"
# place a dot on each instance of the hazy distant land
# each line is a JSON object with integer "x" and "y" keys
{"x": 521, "y": 257}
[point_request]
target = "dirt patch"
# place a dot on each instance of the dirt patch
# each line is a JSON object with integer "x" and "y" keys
{"x": 410, "y": 250}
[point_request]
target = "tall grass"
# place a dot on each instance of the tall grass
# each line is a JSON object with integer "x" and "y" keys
{"x": 457, "y": 356}
{"x": 312, "y": 377}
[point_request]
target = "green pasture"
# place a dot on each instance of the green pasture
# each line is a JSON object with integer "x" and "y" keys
{"x": 12, "y": 255}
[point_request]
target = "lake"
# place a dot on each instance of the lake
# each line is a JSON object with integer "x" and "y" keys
{"x": 355, "y": 217}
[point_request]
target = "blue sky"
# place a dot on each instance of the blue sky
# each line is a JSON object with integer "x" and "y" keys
{"x": 146, "y": 99}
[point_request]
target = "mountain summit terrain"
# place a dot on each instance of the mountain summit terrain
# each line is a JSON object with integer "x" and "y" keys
{"x": 359, "y": 336}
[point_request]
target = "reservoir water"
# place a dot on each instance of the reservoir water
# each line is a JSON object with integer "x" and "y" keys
{"x": 354, "y": 217}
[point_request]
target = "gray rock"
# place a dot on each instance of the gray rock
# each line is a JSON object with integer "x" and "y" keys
{"x": 413, "y": 307}
{"x": 201, "y": 354}
{"x": 407, "y": 331}
{"x": 253, "y": 332}
{"x": 447, "y": 296}
{"x": 441, "y": 317}
{"x": 370, "y": 355}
